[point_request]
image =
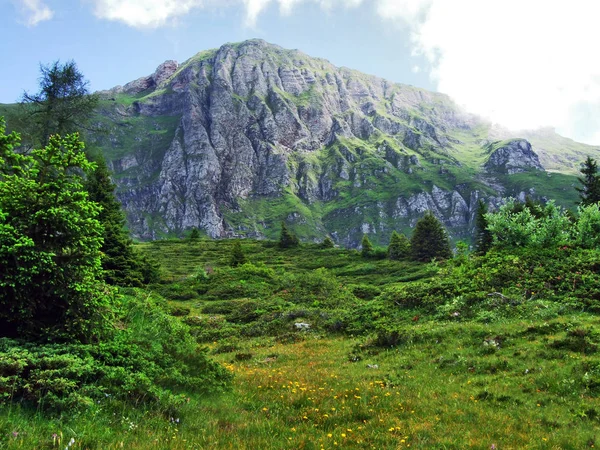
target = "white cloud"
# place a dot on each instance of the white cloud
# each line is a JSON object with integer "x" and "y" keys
{"x": 157, "y": 13}
{"x": 523, "y": 64}
{"x": 145, "y": 13}
{"x": 255, "y": 7}
{"x": 35, "y": 11}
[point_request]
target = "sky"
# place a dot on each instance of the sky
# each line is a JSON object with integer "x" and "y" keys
{"x": 522, "y": 64}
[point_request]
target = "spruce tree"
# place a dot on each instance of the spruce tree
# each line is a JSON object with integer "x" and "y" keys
{"x": 238, "y": 257}
{"x": 287, "y": 239}
{"x": 483, "y": 237}
{"x": 590, "y": 190}
{"x": 122, "y": 265}
{"x": 399, "y": 246}
{"x": 50, "y": 240}
{"x": 367, "y": 247}
{"x": 195, "y": 234}
{"x": 429, "y": 239}
{"x": 327, "y": 243}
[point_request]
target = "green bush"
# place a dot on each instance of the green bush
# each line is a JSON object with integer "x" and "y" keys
{"x": 518, "y": 226}
{"x": 153, "y": 359}
{"x": 319, "y": 288}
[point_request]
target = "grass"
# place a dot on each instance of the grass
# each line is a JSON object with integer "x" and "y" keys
{"x": 528, "y": 381}
{"x": 455, "y": 385}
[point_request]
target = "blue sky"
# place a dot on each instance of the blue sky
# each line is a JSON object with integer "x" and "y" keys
{"x": 520, "y": 64}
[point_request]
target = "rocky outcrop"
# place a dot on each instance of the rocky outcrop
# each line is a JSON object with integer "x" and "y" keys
{"x": 210, "y": 142}
{"x": 512, "y": 157}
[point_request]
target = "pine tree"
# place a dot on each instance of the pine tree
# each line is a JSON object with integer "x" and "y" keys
{"x": 429, "y": 239}
{"x": 327, "y": 243}
{"x": 122, "y": 265}
{"x": 367, "y": 247}
{"x": 287, "y": 239}
{"x": 238, "y": 257}
{"x": 590, "y": 190}
{"x": 399, "y": 246}
{"x": 483, "y": 237}
{"x": 62, "y": 105}
{"x": 195, "y": 234}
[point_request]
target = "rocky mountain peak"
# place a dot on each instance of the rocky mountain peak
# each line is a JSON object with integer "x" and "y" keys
{"x": 236, "y": 139}
{"x": 513, "y": 156}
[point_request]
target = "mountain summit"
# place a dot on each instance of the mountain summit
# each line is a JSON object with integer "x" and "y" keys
{"x": 235, "y": 140}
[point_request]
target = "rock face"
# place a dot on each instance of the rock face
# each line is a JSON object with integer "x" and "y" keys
{"x": 513, "y": 157}
{"x": 237, "y": 139}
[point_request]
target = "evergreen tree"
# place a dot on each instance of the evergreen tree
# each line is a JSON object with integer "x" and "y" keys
{"x": 483, "y": 237}
{"x": 367, "y": 247}
{"x": 590, "y": 190}
{"x": 327, "y": 243}
{"x": 195, "y": 234}
{"x": 399, "y": 246}
{"x": 429, "y": 239}
{"x": 287, "y": 239}
{"x": 50, "y": 240}
{"x": 62, "y": 105}
{"x": 122, "y": 265}
{"x": 238, "y": 257}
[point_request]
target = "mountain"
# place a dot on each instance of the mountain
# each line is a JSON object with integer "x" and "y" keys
{"x": 237, "y": 139}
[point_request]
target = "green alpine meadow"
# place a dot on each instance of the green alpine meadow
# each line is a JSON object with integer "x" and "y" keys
{"x": 256, "y": 249}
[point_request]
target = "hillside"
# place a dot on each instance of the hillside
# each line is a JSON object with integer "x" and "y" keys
{"x": 234, "y": 140}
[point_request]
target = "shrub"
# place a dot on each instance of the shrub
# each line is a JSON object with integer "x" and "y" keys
{"x": 150, "y": 360}
{"x": 586, "y": 232}
{"x": 513, "y": 226}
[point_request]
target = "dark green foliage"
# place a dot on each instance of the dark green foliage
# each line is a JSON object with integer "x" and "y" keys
{"x": 429, "y": 240}
{"x": 483, "y": 236}
{"x": 195, "y": 234}
{"x": 366, "y": 247}
{"x": 121, "y": 264}
{"x": 50, "y": 239}
{"x": 589, "y": 193}
{"x": 287, "y": 239}
{"x": 62, "y": 105}
{"x": 327, "y": 243}
{"x": 237, "y": 255}
{"x": 151, "y": 360}
{"x": 399, "y": 246}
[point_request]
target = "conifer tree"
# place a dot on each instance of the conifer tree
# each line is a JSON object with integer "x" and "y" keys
{"x": 122, "y": 265}
{"x": 50, "y": 240}
{"x": 590, "y": 181}
{"x": 238, "y": 257}
{"x": 367, "y": 247}
{"x": 483, "y": 237}
{"x": 429, "y": 239}
{"x": 327, "y": 243}
{"x": 287, "y": 239}
{"x": 62, "y": 105}
{"x": 399, "y": 246}
{"x": 195, "y": 234}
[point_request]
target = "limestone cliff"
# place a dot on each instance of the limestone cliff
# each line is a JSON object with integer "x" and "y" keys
{"x": 237, "y": 139}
